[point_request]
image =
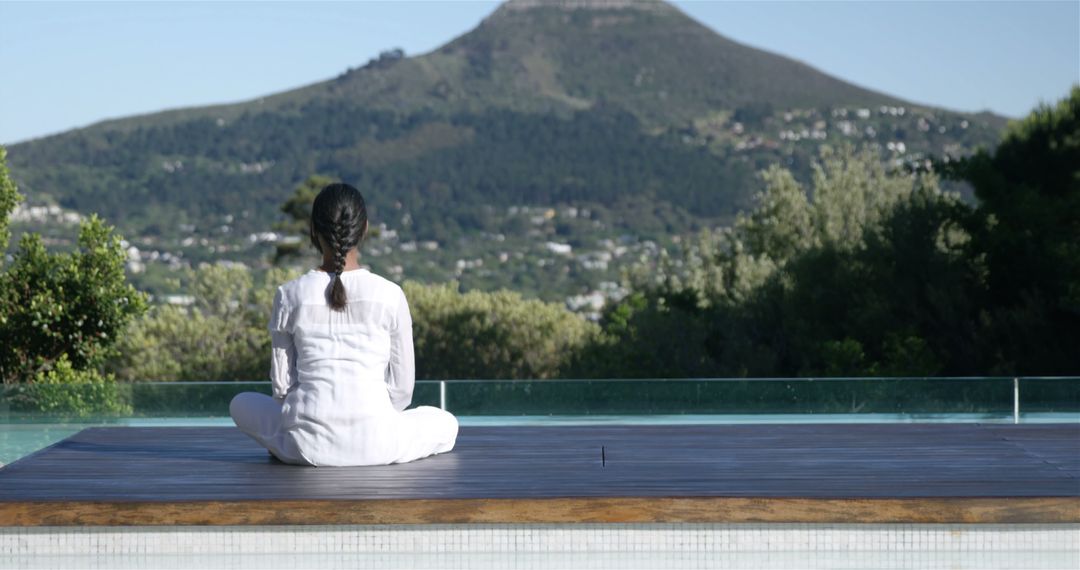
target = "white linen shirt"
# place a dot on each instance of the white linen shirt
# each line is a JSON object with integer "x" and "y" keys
{"x": 342, "y": 377}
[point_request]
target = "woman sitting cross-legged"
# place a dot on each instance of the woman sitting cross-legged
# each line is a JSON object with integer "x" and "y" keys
{"x": 342, "y": 359}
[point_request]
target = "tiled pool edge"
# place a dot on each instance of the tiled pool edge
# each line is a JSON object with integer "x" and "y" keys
{"x": 546, "y": 538}
{"x": 547, "y": 547}
{"x": 540, "y": 538}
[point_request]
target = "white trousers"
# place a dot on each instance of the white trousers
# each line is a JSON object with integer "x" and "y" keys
{"x": 259, "y": 416}
{"x": 417, "y": 433}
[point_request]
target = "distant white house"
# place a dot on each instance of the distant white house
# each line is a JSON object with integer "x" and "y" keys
{"x": 559, "y": 248}
{"x": 181, "y": 300}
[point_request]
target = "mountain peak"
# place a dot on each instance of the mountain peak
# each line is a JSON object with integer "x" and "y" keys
{"x": 642, "y": 5}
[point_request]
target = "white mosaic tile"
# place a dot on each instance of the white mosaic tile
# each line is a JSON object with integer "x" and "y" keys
{"x": 537, "y": 561}
{"x": 547, "y": 546}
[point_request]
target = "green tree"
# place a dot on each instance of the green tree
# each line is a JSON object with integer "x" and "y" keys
{"x": 9, "y": 198}
{"x": 496, "y": 335}
{"x": 61, "y": 314}
{"x": 904, "y": 303}
{"x": 852, "y": 193}
{"x": 1028, "y": 231}
{"x": 222, "y": 335}
{"x": 866, "y": 274}
{"x": 648, "y": 336}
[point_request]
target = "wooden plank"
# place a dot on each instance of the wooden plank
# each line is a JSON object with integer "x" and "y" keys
{"x": 560, "y": 510}
{"x": 1045, "y": 442}
{"x": 916, "y": 472}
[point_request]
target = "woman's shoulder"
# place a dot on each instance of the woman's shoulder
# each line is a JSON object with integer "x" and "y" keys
{"x": 296, "y": 282}
{"x": 296, "y": 290}
{"x": 361, "y": 283}
{"x": 372, "y": 285}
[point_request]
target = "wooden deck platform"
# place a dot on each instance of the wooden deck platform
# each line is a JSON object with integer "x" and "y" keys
{"x": 925, "y": 473}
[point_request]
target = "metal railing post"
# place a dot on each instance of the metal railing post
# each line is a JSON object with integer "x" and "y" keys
{"x": 442, "y": 394}
{"x": 1016, "y": 400}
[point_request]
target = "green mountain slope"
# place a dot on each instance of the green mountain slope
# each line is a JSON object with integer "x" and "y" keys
{"x": 629, "y": 108}
{"x": 554, "y": 56}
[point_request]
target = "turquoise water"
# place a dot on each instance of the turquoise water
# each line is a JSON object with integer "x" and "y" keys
{"x": 20, "y": 439}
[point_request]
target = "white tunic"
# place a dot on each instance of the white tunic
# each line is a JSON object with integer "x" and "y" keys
{"x": 344, "y": 379}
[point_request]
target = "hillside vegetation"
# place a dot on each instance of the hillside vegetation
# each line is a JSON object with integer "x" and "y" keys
{"x": 643, "y": 117}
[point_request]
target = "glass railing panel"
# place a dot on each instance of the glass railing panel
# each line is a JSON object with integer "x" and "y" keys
{"x": 991, "y": 396}
{"x": 912, "y": 397}
{"x": 77, "y": 402}
{"x": 34, "y": 416}
{"x": 1049, "y": 395}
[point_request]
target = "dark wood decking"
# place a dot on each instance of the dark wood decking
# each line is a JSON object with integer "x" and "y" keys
{"x": 738, "y": 473}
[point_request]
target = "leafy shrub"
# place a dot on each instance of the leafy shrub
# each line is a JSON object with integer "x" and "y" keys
{"x": 858, "y": 276}
{"x": 221, "y": 336}
{"x": 64, "y": 390}
{"x": 61, "y": 314}
{"x": 492, "y": 335}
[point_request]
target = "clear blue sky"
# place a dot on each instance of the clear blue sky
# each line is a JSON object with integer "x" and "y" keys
{"x": 67, "y": 65}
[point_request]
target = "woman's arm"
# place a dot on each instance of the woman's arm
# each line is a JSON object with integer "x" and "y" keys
{"x": 282, "y": 351}
{"x": 401, "y": 372}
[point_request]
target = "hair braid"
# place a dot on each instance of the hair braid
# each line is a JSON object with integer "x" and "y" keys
{"x": 339, "y": 216}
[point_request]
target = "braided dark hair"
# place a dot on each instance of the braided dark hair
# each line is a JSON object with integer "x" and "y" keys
{"x": 339, "y": 217}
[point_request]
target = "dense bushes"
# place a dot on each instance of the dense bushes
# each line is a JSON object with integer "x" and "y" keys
{"x": 1026, "y": 236}
{"x": 61, "y": 314}
{"x": 876, "y": 273}
{"x": 64, "y": 390}
{"x": 222, "y": 335}
{"x": 492, "y": 335}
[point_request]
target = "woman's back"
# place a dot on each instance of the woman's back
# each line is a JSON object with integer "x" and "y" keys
{"x": 341, "y": 367}
{"x": 347, "y": 375}
{"x": 364, "y": 350}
